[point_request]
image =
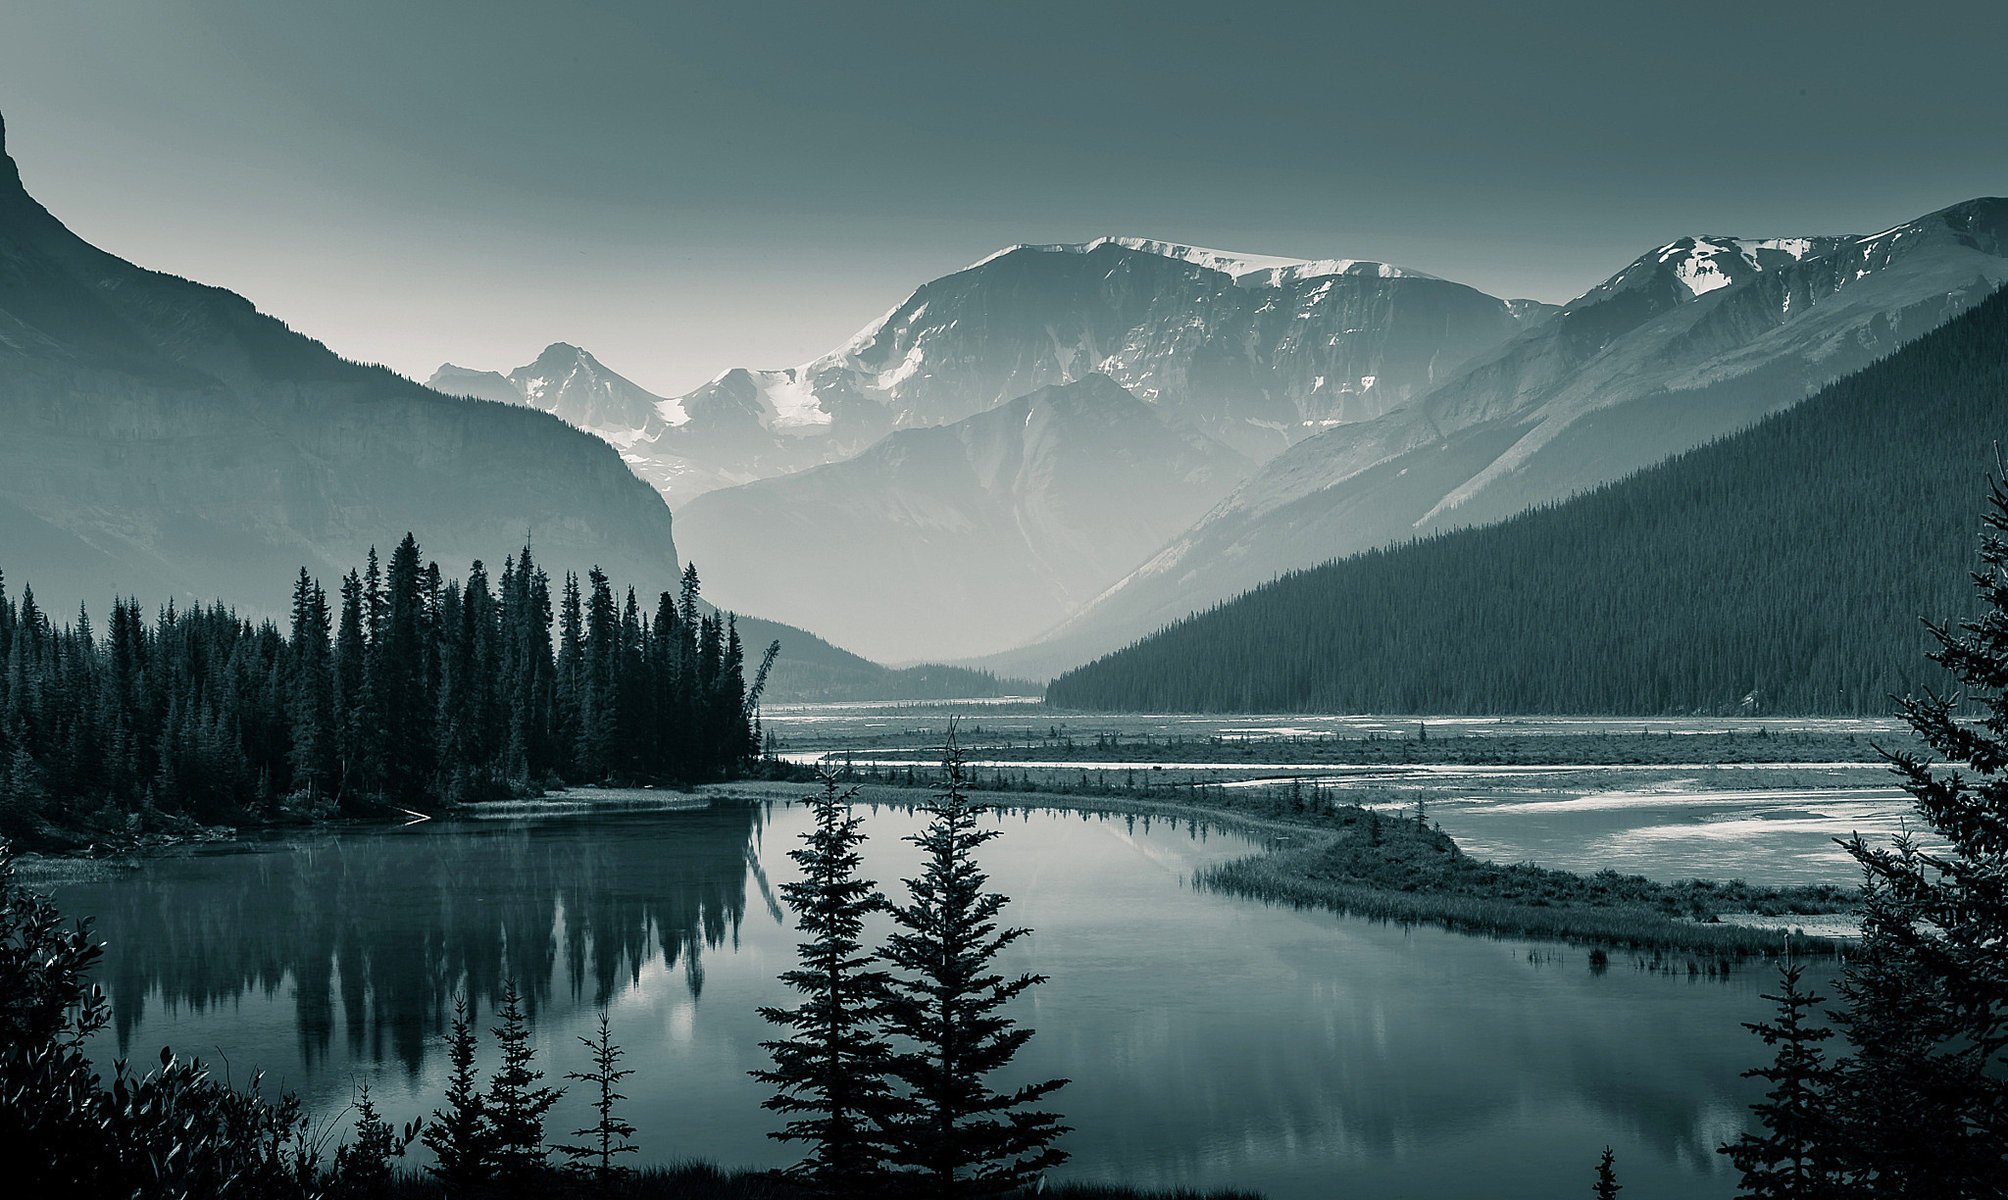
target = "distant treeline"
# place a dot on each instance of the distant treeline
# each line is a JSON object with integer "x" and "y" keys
{"x": 1781, "y": 569}
{"x": 405, "y": 690}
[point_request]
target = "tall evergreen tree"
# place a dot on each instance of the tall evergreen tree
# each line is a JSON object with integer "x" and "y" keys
{"x": 949, "y": 1134}
{"x": 355, "y": 746}
{"x": 1924, "y": 1093}
{"x": 829, "y": 1071}
{"x": 517, "y": 1100}
{"x": 311, "y": 692}
{"x": 1793, "y": 1158}
{"x": 1607, "y": 1185}
{"x": 461, "y": 1138}
{"x": 610, "y": 1136}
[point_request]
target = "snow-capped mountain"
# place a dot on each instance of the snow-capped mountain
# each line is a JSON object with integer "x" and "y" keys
{"x": 574, "y": 387}
{"x": 1691, "y": 341}
{"x": 1253, "y": 351}
{"x": 969, "y": 537}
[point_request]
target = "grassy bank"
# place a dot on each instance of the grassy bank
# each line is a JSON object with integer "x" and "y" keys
{"x": 1400, "y": 870}
{"x": 1422, "y": 747}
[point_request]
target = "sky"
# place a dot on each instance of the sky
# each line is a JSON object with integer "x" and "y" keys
{"x": 686, "y": 188}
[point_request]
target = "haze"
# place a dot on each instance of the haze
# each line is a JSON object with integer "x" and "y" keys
{"x": 688, "y": 188}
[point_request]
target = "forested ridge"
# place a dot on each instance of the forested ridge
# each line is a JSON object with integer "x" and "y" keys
{"x": 402, "y": 689}
{"x": 1783, "y": 568}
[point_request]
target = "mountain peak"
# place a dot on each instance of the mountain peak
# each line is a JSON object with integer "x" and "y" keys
{"x": 10, "y": 174}
{"x": 1258, "y": 270}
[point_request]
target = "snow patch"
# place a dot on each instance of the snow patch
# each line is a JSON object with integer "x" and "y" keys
{"x": 1247, "y": 270}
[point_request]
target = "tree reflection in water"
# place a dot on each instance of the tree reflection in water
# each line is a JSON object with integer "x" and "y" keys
{"x": 553, "y": 903}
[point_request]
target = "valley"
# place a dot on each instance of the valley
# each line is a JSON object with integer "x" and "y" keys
{"x": 1494, "y": 683}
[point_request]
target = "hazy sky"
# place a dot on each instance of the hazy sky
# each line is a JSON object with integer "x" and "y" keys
{"x": 685, "y": 188}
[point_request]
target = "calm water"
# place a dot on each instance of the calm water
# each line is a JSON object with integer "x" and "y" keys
{"x": 1212, "y": 1041}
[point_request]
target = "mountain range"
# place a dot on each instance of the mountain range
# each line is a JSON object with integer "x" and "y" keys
{"x": 1254, "y": 352}
{"x": 1695, "y": 339}
{"x": 1341, "y": 405}
{"x": 1780, "y": 569}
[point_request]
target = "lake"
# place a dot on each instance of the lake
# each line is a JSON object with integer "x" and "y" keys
{"x": 1212, "y": 1041}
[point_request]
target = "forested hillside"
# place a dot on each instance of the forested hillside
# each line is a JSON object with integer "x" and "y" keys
{"x": 1783, "y": 568}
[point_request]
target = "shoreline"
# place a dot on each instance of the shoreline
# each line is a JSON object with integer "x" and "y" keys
{"x": 1336, "y": 869}
{"x": 1343, "y": 858}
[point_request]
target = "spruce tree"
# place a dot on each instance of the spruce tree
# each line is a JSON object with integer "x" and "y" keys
{"x": 517, "y": 1102}
{"x": 829, "y": 1071}
{"x": 1924, "y": 1093}
{"x": 610, "y": 1135}
{"x": 461, "y": 1139}
{"x": 1793, "y": 1158}
{"x": 1607, "y": 1185}
{"x": 948, "y": 1134}
{"x": 364, "y": 1168}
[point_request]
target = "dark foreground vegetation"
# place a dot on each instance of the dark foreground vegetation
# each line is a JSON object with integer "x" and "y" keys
{"x": 1780, "y": 569}
{"x": 407, "y": 691}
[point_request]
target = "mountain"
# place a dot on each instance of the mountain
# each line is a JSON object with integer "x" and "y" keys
{"x": 1780, "y": 569}
{"x": 1255, "y": 352}
{"x": 811, "y": 670}
{"x": 1693, "y": 340}
{"x": 966, "y": 537}
{"x": 164, "y": 439}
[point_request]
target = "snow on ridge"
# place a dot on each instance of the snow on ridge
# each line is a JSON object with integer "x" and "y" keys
{"x": 1257, "y": 270}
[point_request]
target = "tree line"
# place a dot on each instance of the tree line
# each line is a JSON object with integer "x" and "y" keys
{"x": 404, "y": 689}
{"x": 1780, "y": 569}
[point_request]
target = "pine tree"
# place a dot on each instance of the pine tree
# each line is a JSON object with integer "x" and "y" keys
{"x": 1607, "y": 1186}
{"x": 1924, "y": 1094}
{"x": 363, "y": 1169}
{"x": 351, "y": 654}
{"x": 517, "y": 1102}
{"x": 609, "y": 1136}
{"x": 829, "y": 1071}
{"x": 1792, "y": 1159}
{"x": 949, "y": 1134}
{"x": 461, "y": 1139}
{"x": 310, "y": 695}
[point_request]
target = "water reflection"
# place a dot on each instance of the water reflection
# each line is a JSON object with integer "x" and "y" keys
{"x": 377, "y": 932}
{"x": 1213, "y": 1041}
